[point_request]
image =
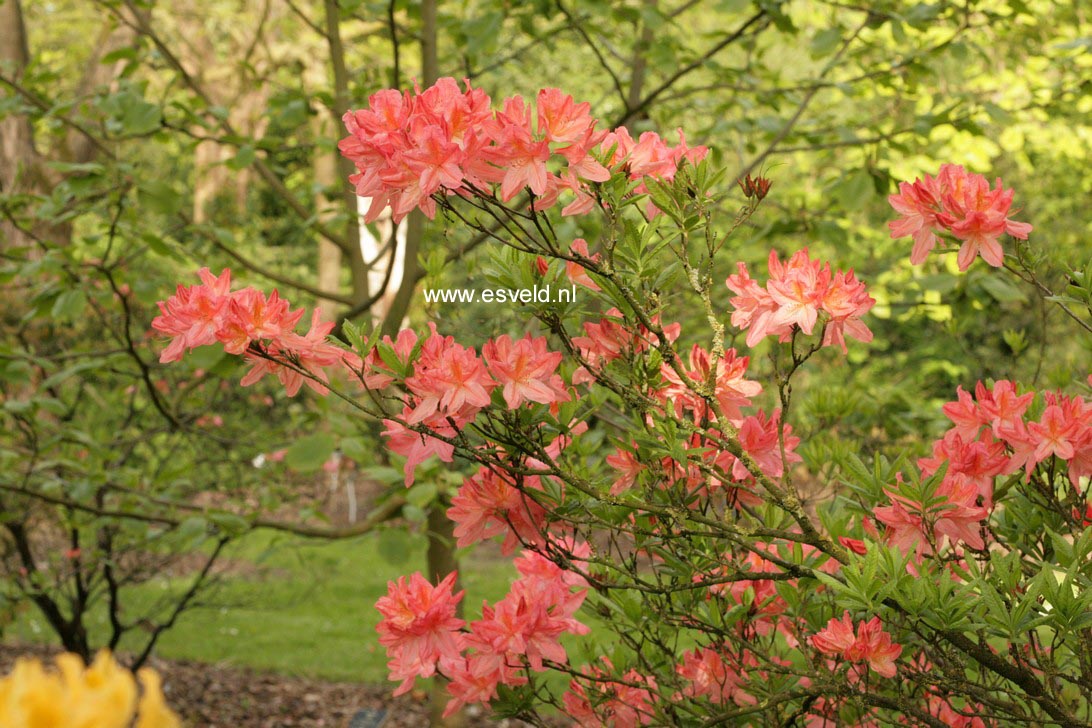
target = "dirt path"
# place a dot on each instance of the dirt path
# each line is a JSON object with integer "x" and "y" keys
{"x": 213, "y": 696}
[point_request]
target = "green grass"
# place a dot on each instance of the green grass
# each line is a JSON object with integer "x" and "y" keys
{"x": 309, "y": 611}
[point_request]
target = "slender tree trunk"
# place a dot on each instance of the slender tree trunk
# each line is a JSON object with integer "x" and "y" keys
{"x": 343, "y": 166}
{"x": 430, "y": 71}
{"x": 640, "y": 67}
{"x": 325, "y": 169}
{"x": 329, "y": 255}
{"x": 112, "y": 37}
{"x": 20, "y": 167}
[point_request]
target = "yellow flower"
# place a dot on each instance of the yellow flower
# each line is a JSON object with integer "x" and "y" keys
{"x": 103, "y": 695}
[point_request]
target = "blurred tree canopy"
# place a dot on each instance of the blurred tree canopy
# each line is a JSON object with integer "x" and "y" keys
{"x": 143, "y": 140}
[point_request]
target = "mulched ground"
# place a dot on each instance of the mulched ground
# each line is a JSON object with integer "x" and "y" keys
{"x": 213, "y": 696}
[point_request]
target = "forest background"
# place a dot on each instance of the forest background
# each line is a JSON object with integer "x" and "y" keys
{"x": 142, "y": 141}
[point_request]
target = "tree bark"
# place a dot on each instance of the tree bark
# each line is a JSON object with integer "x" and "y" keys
{"x": 325, "y": 168}
{"x": 415, "y": 223}
{"x": 343, "y": 166}
{"x": 21, "y": 171}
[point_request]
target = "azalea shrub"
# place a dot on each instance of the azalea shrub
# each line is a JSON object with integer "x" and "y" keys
{"x": 644, "y": 474}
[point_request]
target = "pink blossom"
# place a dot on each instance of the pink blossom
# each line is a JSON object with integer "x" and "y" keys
{"x": 419, "y": 627}
{"x": 961, "y": 204}
{"x": 417, "y": 447}
{"x": 412, "y": 148}
{"x": 194, "y": 314}
{"x": 526, "y": 370}
{"x": 797, "y": 293}
{"x": 628, "y": 467}
{"x": 449, "y": 380}
{"x": 489, "y": 504}
{"x": 576, "y": 272}
{"x": 870, "y": 644}
{"x": 710, "y": 676}
{"x": 626, "y": 702}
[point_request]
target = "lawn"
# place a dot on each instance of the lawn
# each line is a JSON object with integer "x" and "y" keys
{"x": 306, "y": 610}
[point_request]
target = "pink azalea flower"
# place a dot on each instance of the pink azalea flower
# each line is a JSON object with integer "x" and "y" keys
{"x": 1054, "y": 432}
{"x": 419, "y": 627}
{"x": 959, "y": 203}
{"x": 576, "y": 272}
{"x": 449, "y": 380}
{"x": 758, "y": 434}
{"x": 870, "y": 644}
{"x": 194, "y": 314}
{"x": 796, "y": 294}
{"x": 418, "y": 447}
{"x": 489, "y": 504}
{"x": 619, "y": 704}
{"x": 526, "y": 370}
{"x": 918, "y": 204}
{"x": 625, "y": 463}
{"x": 251, "y": 317}
{"x": 410, "y": 148}
{"x": 710, "y": 676}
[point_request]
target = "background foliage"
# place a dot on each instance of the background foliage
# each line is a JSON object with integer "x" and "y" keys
{"x": 144, "y": 140}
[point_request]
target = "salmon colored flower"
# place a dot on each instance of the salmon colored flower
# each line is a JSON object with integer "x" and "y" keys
{"x": 194, "y": 314}
{"x": 628, "y": 467}
{"x": 959, "y": 203}
{"x": 489, "y": 504}
{"x": 709, "y": 675}
{"x": 798, "y": 292}
{"x": 870, "y": 644}
{"x": 411, "y": 148}
{"x": 419, "y": 627}
{"x": 576, "y": 272}
{"x": 599, "y": 701}
{"x": 526, "y": 370}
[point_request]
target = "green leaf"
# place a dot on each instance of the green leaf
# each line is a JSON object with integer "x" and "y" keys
{"x": 69, "y": 305}
{"x": 140, "y": 117}
{"x": 193, "y": 530}
{"x": 356, "y": 449}
{"x": 825, "y": 41}
{"x": 159, "y": 246}
{"x": 309, "y": 453}
{"x": 229, "y": 523}
{"x": 856, "y": 190}
{"x": 159, "y": 196}
{"x": 243, "y": 159}
{"x": 1001, "y": 290}
{"x": 422, "y": 494}
{"x": 71, "y": 371}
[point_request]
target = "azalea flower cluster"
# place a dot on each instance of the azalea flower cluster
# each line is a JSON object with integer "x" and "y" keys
{"x": 104, "y": 695}
{"x": 797, "y": 295}
{"x": 449, "y": 384}
{"x": 602, "y": 701}
{"x": 493, "y": 501}
{"x": 870, "y": 644}
{"x": 761, "y": 435}
{"x": 991, "y": 436}
{"x": 710, "y": 675}
{"x": 517, "y": 635}
{"x": 758, "y": 594}
{"x": 408, "y": 146}
{"x": 959, "y": 203}
{"x": 248, "y": 322}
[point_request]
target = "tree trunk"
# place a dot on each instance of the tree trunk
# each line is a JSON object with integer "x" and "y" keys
{"x": 415, "y": 223}
{"x": 20, "y": 167}
{"x": 325, "y": 168}
{"x": 343, "y": 166}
